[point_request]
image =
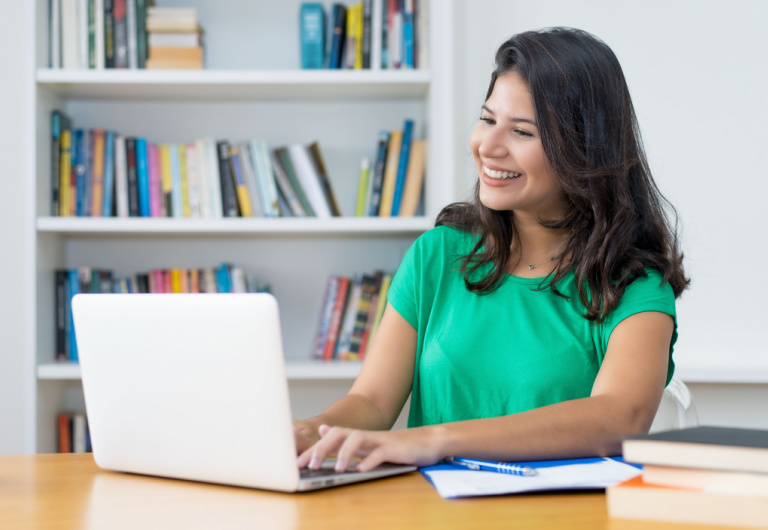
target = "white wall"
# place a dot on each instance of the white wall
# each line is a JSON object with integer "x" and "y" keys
{"x": 698, "y": 74}
{"x": 13, "y": 379}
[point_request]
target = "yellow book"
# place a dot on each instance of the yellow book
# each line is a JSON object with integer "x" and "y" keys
{"x": 414, "y": 178}
{"x": 65, "y": 169}
{"x": 243, "y": 197}
{"x": 362, "y": 189}
{"x": 97, "y": 173}
{"x": 390, "y": 173}
{"x": 185, "y": 210}
{"x": 358, "y": 27}
{"x": 175, "y": 280}
{"x": 166, "y": 180}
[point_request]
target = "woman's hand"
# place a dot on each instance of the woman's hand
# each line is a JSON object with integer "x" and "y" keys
{"x": 419, "y": 446}
{"x": 305, "y": 435}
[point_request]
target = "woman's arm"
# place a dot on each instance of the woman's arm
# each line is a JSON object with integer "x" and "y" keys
{"x": 624, "y": 399}
{"x": 380, "y": 390}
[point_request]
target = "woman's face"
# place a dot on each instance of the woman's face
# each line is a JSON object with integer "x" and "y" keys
{"x": 514, "y": 171}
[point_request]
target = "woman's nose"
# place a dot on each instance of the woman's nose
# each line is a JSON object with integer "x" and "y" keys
{"x": 492, "y": 146}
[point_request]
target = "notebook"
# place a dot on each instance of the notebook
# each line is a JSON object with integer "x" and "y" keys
{"x": 193, "y": 386}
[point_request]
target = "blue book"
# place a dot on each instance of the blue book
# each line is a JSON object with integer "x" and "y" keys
{"x": 402, "y": 166}
{"x": 74, "y": 288}
{"x": 78, "y": 168}
{"x": 312, "y": 30}
{"x": 176, "y": 181}
{"x": 87, "y": 172}
{"x": 142, "y": 175}
{"x": 223, "y": 281}
{"x": 109, "y": 173}
{"x": 338, "y": 34}
{"x": 408, "y": 34}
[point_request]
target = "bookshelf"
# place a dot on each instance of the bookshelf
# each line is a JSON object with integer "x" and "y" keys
{"x": 251, "y": 88}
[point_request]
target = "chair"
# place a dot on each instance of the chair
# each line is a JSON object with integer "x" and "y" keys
{"x": 676, "y": 410}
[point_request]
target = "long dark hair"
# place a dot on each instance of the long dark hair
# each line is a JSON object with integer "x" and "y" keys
{"x": 618, "y": 222}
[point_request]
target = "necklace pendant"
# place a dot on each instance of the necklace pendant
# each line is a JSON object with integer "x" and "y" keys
{"x": 530, "y": 267}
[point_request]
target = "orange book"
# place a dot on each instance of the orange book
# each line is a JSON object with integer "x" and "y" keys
{"x": 194, "y": 281}
{"x": 97, "y": 173}
{"x": 414, "y": 178}
{"x": 65, "y": 433}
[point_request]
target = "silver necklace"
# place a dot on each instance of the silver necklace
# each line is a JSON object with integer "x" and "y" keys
{"x": 532, "y": 266}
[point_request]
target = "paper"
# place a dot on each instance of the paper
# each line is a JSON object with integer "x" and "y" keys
{"x": 588, "y": 473}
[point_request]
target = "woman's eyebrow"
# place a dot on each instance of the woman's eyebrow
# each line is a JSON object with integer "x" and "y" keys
{"x": 513, "y": 118}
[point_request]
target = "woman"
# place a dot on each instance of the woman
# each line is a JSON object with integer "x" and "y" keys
{"x": 538, "y": 320}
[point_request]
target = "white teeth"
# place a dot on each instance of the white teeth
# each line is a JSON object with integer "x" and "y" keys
{"x": 500, "y": 175}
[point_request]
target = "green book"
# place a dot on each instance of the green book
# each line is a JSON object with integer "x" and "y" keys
{"x": 285, "y": 161}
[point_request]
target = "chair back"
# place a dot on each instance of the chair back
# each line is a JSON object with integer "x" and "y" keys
{"x": 676, "y": 410}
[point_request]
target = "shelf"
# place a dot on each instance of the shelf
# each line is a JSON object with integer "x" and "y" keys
{"x": 372, "y": 226}
{"x": 227, "y": 85}
{"x": 295, "y": 371}
{"x": 719, "y": 375}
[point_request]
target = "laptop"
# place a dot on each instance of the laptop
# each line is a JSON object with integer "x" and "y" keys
{"x": 193, "y": 386}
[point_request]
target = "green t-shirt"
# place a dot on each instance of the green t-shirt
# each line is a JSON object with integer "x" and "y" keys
{"x": 507, "y": 351}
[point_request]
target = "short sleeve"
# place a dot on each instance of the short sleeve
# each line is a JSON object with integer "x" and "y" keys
{"x": 402, "y": 294}
{"x": 643, "y": 294}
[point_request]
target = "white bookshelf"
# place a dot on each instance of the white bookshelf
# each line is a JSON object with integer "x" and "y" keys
{"x": 252, "y": 88}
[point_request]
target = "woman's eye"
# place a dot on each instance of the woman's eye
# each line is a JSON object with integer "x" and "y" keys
{"x": 487, "y": 120}
{"x": 521, "y": 132}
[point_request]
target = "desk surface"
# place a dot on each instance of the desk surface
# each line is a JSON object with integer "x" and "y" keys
{"x": 70, "y": 491}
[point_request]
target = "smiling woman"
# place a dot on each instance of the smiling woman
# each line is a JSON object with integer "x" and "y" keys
{"x": 537, "y": 320}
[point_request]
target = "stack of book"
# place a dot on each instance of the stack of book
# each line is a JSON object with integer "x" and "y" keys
{"x": 102, "y": 173}
{"x": 226, "y": 278}
{"x": 393, "y": 185}
{"x": 706, "y": 475}
{"x": 351, "y": 311}
{"x": 74, "y": 436}
{"x": 98, "y": 34}
{"x": 369, "y": 34}
{"x": 174, "y": 38}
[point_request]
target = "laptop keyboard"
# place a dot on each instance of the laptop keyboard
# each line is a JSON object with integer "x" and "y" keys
{"x": 322, "y": 472}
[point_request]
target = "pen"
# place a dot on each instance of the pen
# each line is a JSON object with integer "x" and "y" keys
{"x": 498, "y": 467}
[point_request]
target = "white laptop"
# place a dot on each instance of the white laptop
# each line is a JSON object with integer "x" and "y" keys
{"x": 193, "y": 386}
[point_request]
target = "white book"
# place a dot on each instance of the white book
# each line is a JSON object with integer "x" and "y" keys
{"x": 193, "y": 180}
{"x": 422, "y": 23}
{"x": 249, "y": 175}
{"x": 309, "y": 179}
{"x": 395, "y": 41}
{"x": 212, "y": 163}
{"x": 69, "y": 35}
{"x": 172, "y": 12}
{"x": 133, "y": 47}
{"x": 78, "y": 432}
{"x": 204, "y": 188}
{"x": 82, "y": 34}
{"x": 377, "y": 20}
{"x": 173, "y": 40}
{"x": 238, "y": 280}
{"x": 121, "y": 177}
{"x": 265, "y": 178}
{"x": 55, "y": 33}
{"x": 98, "y": 35}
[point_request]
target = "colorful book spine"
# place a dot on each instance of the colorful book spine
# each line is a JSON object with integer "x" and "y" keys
{"x": 181, "y": 154}
{"x": 65, "y": 174}
{"x": 336, "y": 318}
{"x": 176, "y": 190}
{"x": 402, "y": 166}
{"x": 408, "y": 35}
{"x": 265, "y": 177}
{"x": 378, "y": 173}
{"x": 338, "y": 35}
{"x": 142, "y": 177}
{"x": 109, "y": 174}
{"x": 193, "y": 179}
{"x": 390, "y": 173}
{"x": 350, "y": 317}
{"x": 329, "y": 300}
{"x": 249, "y": 175}
{"x": 97, "y": 173}
{"x": 228, "y": 194}
{"x": 362, "y": 188}
{"x": 243, "y": 199}
{"x": 133, "y": 180}
{"x": 155, "y": 184}
{"x": 74, "y": 288}
{"x": 414, "y": 180}
{"x": 283, "y": 160}
{"x": 166, "y": 177}
{"x": 121, "y": 177}
{"x": 312, "y": 31}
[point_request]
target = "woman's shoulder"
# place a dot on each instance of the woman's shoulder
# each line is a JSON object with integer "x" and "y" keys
{"x": 443, "y": 238}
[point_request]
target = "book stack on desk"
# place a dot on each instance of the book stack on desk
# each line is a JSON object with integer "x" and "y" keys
{"x": 707, "y": 475}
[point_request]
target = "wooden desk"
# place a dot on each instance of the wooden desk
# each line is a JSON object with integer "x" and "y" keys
{"x": 70, "y": 491}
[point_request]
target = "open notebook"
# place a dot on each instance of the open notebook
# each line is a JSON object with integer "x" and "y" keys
{"x": 193, "y": 386}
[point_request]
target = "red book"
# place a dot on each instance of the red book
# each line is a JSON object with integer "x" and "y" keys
{"x": 336, "y": 317}
{"x": 155, "y": 191}
{"x": 65, "y": 433}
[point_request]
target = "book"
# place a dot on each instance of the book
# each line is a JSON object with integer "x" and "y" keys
{"x": 312, "y": 34}
{"x": 132, "y": 177}
{"x": 155, "y": 180}
{"x": 734, "y": 482}
{"x": 97, "y": 172}
{"x": 65, "y": 432}
{"x": 99, "y": 57}
{"x": 351, "y": 37}
{"x": 372, "y": 311}
{"x": 249, "y": 176}
{"x": 265, "y": 178}
{"x": 363, "y": 189}
{"x": 390, "y": 173}
{"x": 241, "y": 188}
{"x": 402, "y": 166}
{"x": 350, "y": 317}
{"x": 60, "y": 122}
{"x": 166, "y": 179}
{"x": 381, "y": 304}
{"x": 78, "y": 171}
{"x": 376, "y": 34}
{"x": 142, "y": 176}
{"x": 414, "y": 179}
{"x": 74, "y": 288}
{"x": 169, "y": 58}
{"x": 395, "y": 34}
{"x": 285, "y": 186}
{"x": 204, "y": 193}
{"x": 337, "y": 35}
{"x": 121, "y": 177}
{"x": 703, "y": 447}
{"x": 214, "y": 179}
{"x": 337, "y": 317}
{"x": 78, "y": 432}
{"x": 636, "y": 499}
{"x": 283, "y": 159}
{"x": 130, "y": 17}
{"x": 316, "y": 156}
{"x": 368, "y": 288}
{"x": 309, "y": 179}
{"x": 109, "y": 34}
{"x": 366, "y": 34}
{"x": 228, "y": 194}
{"x": 408, "y": 34}
{"x": 183, "y": 178}
{"x": 174, "y": 40}
{"x": 86, "y": 162}
{"x": 326, "y": 311}
{"x": 119, "y": 12}
{"x": 141, "y": 33}
{"x": 109, "y": 174}
{"x": 61, "y": 277}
